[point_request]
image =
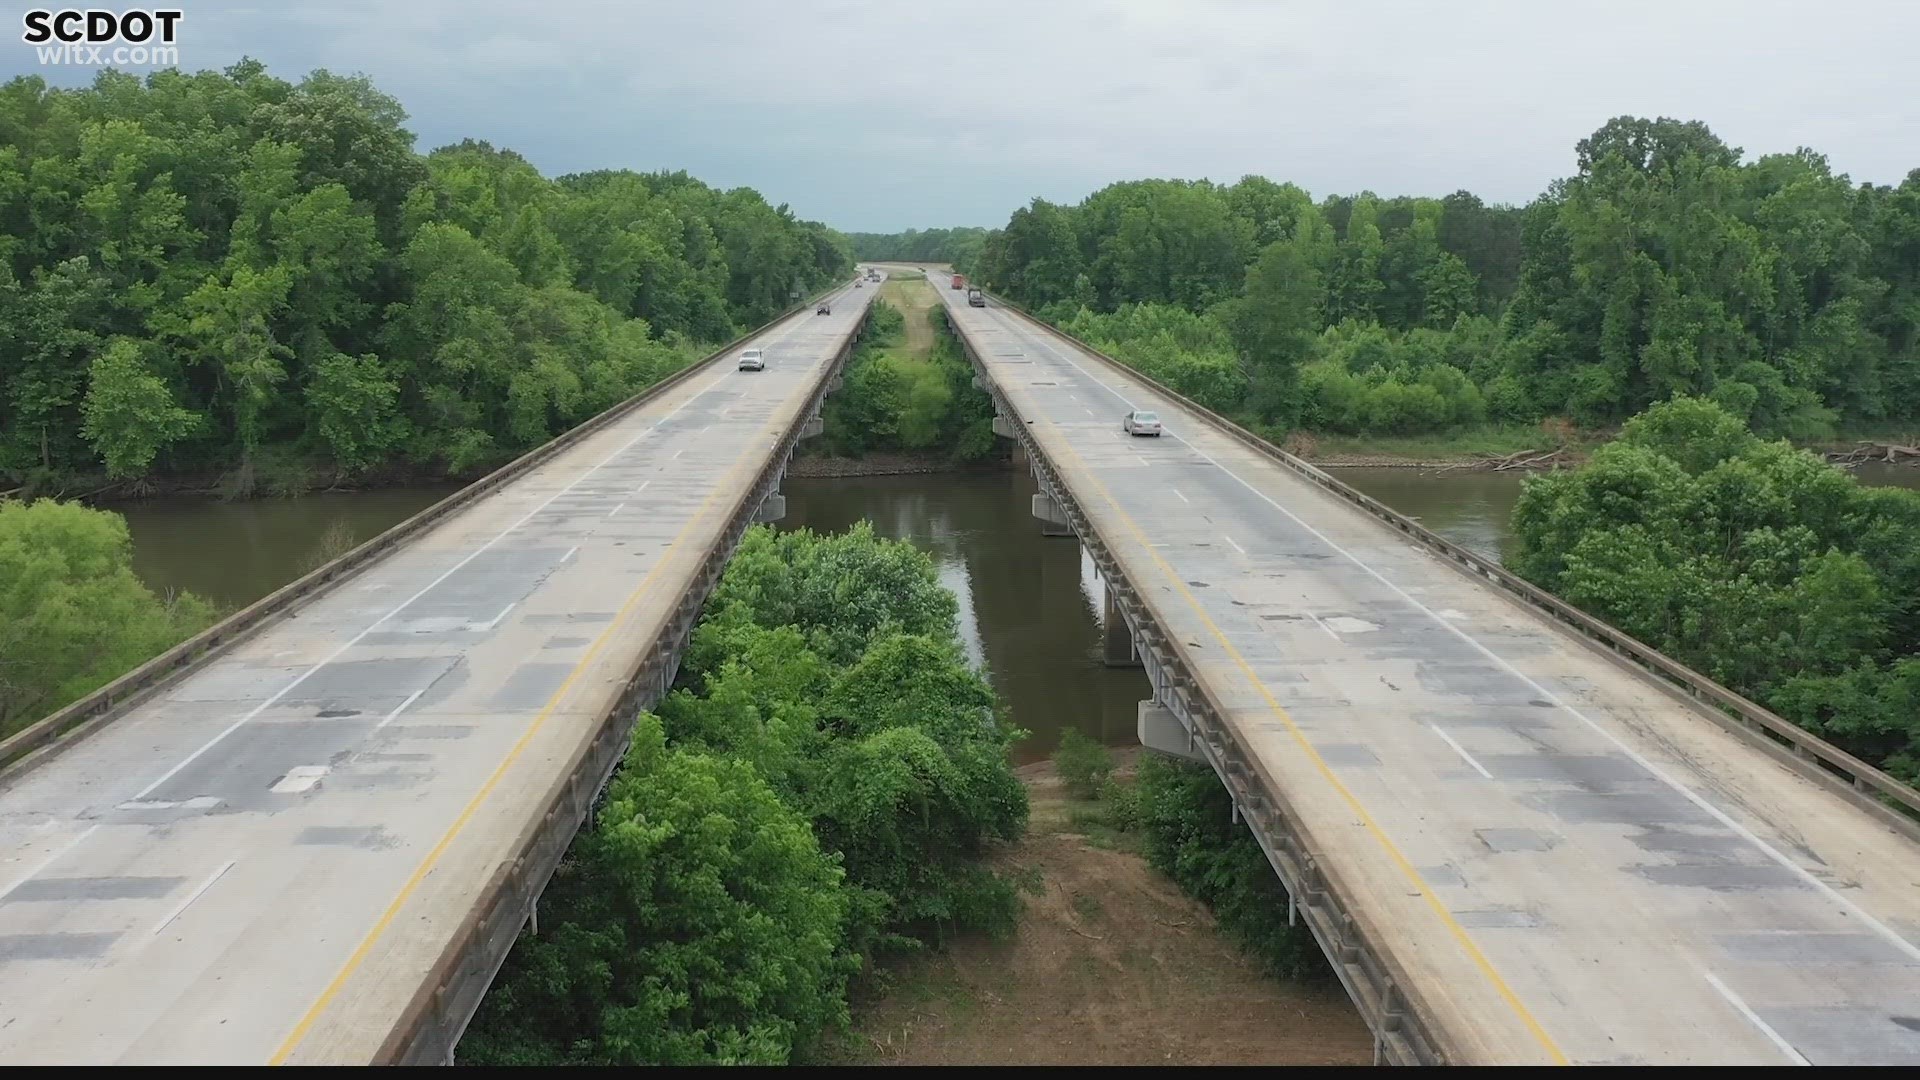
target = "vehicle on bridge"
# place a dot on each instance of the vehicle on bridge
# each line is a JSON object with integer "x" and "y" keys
{"x": 856, "y": 283}
{"x": 824, "y": 308}
{"x": 753, "y": 360}
{"x": 1141, "y": 422}
{"x": 976, "y": 298}
{"x": 959, "y": 281}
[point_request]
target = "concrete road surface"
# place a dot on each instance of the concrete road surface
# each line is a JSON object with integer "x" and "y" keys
{"x": 1571, "y": 865}
{"x": 260, "y": 863}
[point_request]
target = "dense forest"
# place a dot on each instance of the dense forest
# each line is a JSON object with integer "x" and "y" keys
{"x": 1665, "y": 265}
{"x": 1761, "y": 566}
{"x": 816, "y": 793}
{"x": 959, "y": 246}
{"x": 892, "y": 399}
{"x": 231, "y": 274}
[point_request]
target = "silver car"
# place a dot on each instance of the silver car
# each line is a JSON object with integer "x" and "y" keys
{"x": 1141, "y": 422}
{"x": 753, "y": 360}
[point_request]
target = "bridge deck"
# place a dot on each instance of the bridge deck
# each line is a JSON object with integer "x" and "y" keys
{"x": 263, "y": 860}
{"x": 1566, "y": 863}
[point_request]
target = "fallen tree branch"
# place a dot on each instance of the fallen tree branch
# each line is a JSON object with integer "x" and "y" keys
{"x": 1888, "y": 453}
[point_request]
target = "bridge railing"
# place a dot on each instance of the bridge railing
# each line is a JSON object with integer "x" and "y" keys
{"x": 102, "y": 706}
{"x": 1880, "y": 794}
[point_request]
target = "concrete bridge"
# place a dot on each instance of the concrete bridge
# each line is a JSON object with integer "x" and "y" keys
{"x": 311, "y": 834}
{"x": 1521, "y": 837}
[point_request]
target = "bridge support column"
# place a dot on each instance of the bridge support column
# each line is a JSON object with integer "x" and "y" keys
{"x": 1053, "y": 519}
{"x": 1005, "y": 428}
{"x": 1117, "y": 640}
{"x": 1160, "y": 732}
{"x": 772, "y": 509}
{"x": 813, "y": 427}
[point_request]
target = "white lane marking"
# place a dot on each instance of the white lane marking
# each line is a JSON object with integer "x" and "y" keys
{"x": 1892, "y": 936}
{"x": 703, "y": 430}
{"x": 1330, "y": 631}
{"x": 615, "y": 510}
{"x": 1753, "y": 1018}
{"x": 1141, "y": 460}
{"x": 497, "y": 618}
{"x": 398, "y": 709}
{"x": 1236, "y": 547}
{"x": 677, "y": 453}
{"x": 197, "y": 894}
{"x": 298, "y": 779}
{"x": 1462, "y": 751}
{"x": 404, "y": 604}
{"x": 571, "y": 552}
{"x": 41, "y": 866}
{"x": 1176, "y": 491}
{"x": 1089, "y": 412}
{"x": 642, "y": 487}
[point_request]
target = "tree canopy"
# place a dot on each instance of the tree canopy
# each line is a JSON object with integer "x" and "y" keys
{"x": 213, "y": 272}
{"x": 1668, "y": 264}
{"x": 73, "y": 617}
{"x": 1761, "y": 566}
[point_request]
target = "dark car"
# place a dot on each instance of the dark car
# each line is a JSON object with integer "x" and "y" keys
{"x": 823, "y": 309}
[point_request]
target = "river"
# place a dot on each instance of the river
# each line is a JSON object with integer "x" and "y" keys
{"x": 1029, "y": 605}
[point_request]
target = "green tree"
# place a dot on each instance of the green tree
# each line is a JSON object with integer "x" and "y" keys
{"x": 697, "y": 923}
{"x": 73, "y": 616}
{"x": 130, "y": 414}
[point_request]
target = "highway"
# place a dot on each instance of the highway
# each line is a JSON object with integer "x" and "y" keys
{"x": 1566, "y": 864}
{"x": 261, "y": 862}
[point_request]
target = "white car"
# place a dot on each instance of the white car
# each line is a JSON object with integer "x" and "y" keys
{"x": 753, "y": 360}
{"x": 1141, "y": 422}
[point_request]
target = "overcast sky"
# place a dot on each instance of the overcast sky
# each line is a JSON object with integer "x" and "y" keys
{"x": 885, "y": 114}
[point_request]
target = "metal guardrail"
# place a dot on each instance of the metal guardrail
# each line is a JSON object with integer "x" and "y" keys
{"x": 1402, "y": 1024}
{"x": 431, "y": 1025}
{"x": 1888, "y": 799}
{"x": 64, "y": 726}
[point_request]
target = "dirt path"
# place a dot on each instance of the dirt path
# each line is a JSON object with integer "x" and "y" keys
{"x": 1111, "y": 965}
{"x": 915, "y": 299}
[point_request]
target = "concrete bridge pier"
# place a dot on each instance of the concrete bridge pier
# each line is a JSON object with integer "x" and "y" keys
{"x": 1053, "y": 518}
{"x": 1161, "y": 732}
{"x": 813, "y": 427}
{"x": 1117, "y": 647}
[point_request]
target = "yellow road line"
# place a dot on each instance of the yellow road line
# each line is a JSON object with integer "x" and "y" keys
{"x": 426, "y": 866}
{"x": 1399, "y": 859}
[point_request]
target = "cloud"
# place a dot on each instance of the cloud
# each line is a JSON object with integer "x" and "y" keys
{"x": 882, "y": 114}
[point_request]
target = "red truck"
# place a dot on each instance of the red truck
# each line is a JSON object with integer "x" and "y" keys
{"x": 959, "y": 281}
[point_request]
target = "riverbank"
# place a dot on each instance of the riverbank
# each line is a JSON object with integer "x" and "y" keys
{"x": 1471, "y": 448}
{"x": 1110, "y": 965}
{"x": 824, "y": 466}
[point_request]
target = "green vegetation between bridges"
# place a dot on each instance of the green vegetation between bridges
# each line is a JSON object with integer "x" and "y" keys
{"x": 817, "y": 792}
